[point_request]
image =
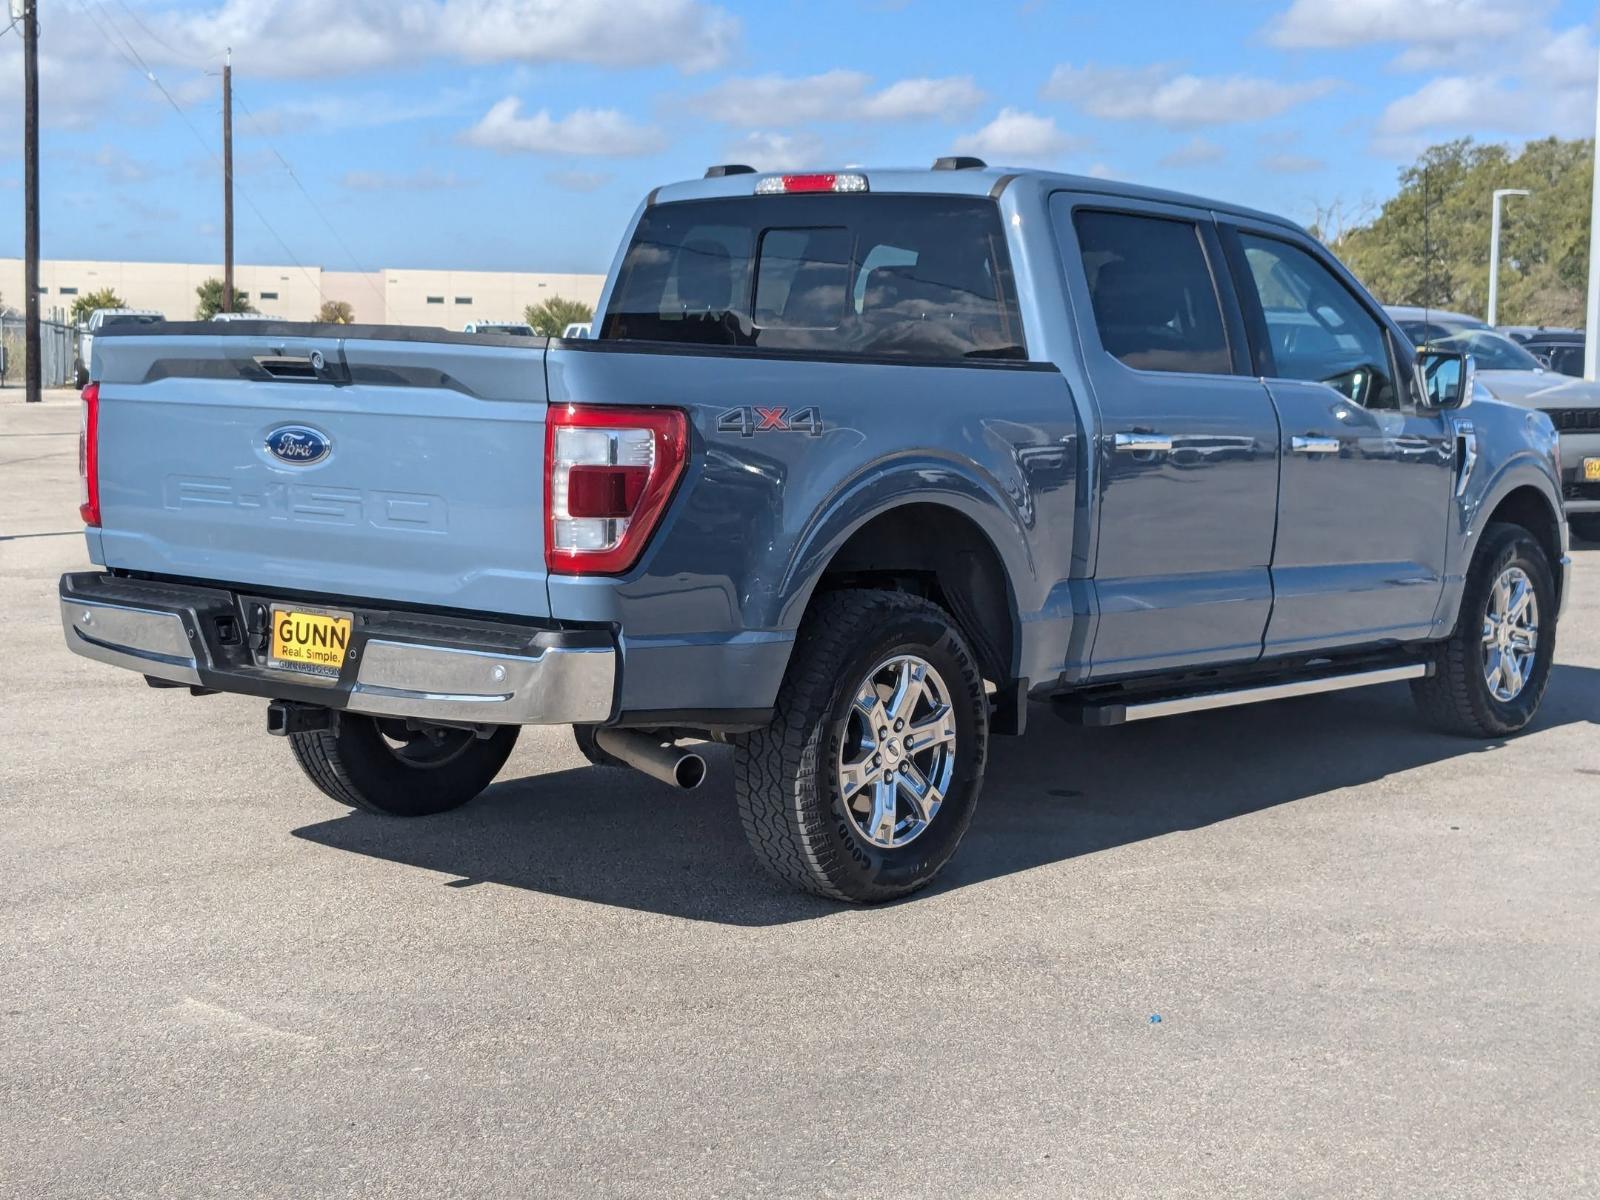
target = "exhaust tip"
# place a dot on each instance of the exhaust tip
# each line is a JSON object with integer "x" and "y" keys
{"x": 690, "y": 772}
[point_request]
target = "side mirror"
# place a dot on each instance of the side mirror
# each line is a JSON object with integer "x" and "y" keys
{"x": 1445, "y": 379}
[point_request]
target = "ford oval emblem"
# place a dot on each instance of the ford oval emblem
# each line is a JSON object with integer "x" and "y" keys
{"x": 297, "y": 445}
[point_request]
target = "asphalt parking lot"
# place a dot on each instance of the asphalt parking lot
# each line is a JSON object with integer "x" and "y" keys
{"x": 1306, "y": 949}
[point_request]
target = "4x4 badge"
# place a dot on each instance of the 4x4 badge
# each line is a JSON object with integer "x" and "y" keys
{"x": 751, "y": 420}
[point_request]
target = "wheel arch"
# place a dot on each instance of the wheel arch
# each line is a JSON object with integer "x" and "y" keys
{"x": 933, "y": 548}
{"x": 1527, "y": 506}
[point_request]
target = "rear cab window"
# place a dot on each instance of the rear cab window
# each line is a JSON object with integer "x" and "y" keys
{"x": 926, "y": 278}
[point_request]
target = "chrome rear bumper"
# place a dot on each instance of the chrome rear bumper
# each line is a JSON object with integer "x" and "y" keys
{"x": 170, "y": 633}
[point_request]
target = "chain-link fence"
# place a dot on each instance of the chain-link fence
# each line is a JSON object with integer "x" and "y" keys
{"x": 58, "y": 351}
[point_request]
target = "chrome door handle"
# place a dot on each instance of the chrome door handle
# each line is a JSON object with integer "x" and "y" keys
{"x": 1314, "y": 445}
{"x": 1143, "y": 443}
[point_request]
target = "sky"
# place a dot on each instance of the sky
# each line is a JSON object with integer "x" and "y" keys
{"x": 522, "y": 134}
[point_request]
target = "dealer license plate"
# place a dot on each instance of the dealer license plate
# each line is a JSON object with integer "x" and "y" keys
{"x": 1591, "y": 469}
{"x": 308, "y": 640}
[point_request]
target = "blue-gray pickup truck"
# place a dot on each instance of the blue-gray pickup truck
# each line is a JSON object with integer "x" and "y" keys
{"x": 855, "y": 465}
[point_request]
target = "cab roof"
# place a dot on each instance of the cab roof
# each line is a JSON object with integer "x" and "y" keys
{"x": 982, "y": 180}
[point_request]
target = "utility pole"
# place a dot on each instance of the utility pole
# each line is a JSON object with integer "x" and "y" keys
{"x": 227, "y": 182}
{"x": 1494, "y": 248}
{"x": 30, "y": 186}
{"x": 1591, "y": 341}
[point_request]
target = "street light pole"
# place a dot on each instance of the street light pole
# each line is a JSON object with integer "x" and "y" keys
{"x": 1591, "y": 341}
{"x": 1494, "y": 248}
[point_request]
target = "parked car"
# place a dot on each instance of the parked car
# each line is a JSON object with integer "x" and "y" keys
{"x": 104, "y": 318}
{"x": 1510, "y": 372}
{"x": 518, "y": 328}
{"x": 1560, "y": 350}
{"x": 244, "y": 316}
{"x": 859, "y": 463}
{"x": 578, "y": 329}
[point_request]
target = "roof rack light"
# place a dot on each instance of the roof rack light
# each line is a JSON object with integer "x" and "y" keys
{"x": 780, "y": 185}
{"x": 959, "y": 162}
{"x": 723, "y": 170}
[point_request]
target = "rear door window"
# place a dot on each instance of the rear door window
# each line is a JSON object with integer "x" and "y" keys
{"x": 918, "y": 277}
{"x": 1154, "y": 296}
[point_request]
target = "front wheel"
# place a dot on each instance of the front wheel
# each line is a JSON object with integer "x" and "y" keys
{"x": 380, "y": 765}
{"x": 868, "y": 776}
{"x": 1490, "y": 676}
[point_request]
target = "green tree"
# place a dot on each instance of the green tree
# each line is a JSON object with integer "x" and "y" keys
{"x": 555, "y": 314}
{"x": 336, "y": 312}
{"x": 210, "y": 293}
{"x": 86, "y": 304}
{"x": 1544, "y": 247}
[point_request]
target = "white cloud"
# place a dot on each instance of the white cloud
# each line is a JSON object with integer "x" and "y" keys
{"x": 1102, "y": 170}
{"x": 779, "y": 100}
{"x": 1196, "y": 152}
{"x": 321, "y": 38}
{"x": 1017, "y": 136}
{"x": 910, "y": 99}
{"x": 768, "y": 151}
{"x": 119, "y": 166}
{"x": 579, "y": 181}
{"x": 424, "y": 179}
{"x": 1545, "y": 85}
{"x": 1160, "y": 94}
{"x": 583, "y": 132}
{"x": 1292, "y": 164}
{"x": 1341, "y": 24}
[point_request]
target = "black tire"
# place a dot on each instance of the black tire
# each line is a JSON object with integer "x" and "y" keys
{"x": 1585, "y": 526}
{"x": 590, "y": 749}
{"x": 786, "y": 778}
{"x": 81, "y": 378}
{"x": 1457, "y": 699}
{"x": 375, "y": 764}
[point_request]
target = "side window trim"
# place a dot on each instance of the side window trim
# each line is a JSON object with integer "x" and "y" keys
{"x": 1222, "y": 285}
{"x": 1244, "y": 285}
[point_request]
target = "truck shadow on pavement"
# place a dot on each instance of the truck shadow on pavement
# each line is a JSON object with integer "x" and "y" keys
{"x": 615, "y": 837}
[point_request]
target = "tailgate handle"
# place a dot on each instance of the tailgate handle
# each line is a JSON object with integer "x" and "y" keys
{"x": 291, "y": 366}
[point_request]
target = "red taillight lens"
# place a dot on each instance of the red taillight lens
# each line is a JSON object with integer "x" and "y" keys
{"x": 609, "y": 473}
{"x": 89, "y": 456}
{"x": 808, "y": 183}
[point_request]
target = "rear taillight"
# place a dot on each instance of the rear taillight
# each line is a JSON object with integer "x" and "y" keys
{"x": 89, "y": 456}
{"x": 609, "y": 473}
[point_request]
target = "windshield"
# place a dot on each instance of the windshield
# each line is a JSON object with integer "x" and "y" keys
{"x": 524, "y": 330}
{"x": 925, "y": 277}
{"x": 1493, "y": 351}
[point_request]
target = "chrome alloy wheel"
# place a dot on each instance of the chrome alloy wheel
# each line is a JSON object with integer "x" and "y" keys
{"x": 1510, "y": 634}
{"x": 898, "y": 751}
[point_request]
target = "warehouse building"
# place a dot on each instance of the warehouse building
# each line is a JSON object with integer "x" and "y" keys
{"x": 395, "y": 296}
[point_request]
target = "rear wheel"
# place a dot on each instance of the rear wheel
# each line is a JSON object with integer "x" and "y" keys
{"x": 1585, "y": 526}
{"x": 865, "y": 782}
{"x": 1490, "y": 676}
{"x": 380, "y": 765}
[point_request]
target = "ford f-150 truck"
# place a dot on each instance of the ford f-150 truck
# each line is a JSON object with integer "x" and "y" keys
{"x": 854, "y": 466}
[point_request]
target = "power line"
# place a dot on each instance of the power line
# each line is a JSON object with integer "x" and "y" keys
{"x": 135, "y": 60}
{"x": 311, "y": 200}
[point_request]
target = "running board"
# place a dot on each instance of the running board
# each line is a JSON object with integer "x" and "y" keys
{"x": 1128, "y": 709}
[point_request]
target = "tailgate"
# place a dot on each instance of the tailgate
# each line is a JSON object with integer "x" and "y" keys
{"x": 397, "y": 465}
